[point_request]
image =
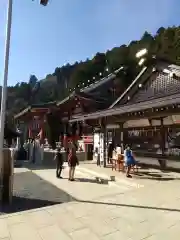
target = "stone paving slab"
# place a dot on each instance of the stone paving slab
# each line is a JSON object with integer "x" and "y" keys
{"x": 85, "y": 187}
{"x": 101, "y": 212}
{"x": 31, "y": 192}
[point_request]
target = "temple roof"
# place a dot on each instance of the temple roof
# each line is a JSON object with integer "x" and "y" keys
{"x": 97, "y": 92}
{"x": 155, "y": 86}
{"x": 155, "y": 103}
{"x": 161, "y": 83}
{"x": 37, "y": 107}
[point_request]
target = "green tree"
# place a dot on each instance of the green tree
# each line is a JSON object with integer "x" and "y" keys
{"x": 165, "y": 44}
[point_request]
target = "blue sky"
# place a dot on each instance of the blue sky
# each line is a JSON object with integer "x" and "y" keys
{"x": 69, "y": 30}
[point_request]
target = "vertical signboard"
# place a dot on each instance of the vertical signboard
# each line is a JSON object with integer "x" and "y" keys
{"x": 101, "y": 148}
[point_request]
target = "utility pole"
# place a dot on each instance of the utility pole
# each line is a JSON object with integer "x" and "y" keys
{"x": 4, "y": 89}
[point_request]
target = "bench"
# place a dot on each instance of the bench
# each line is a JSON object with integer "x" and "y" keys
{"x": 120, "y": 165}
{"x": 117, "y": 164}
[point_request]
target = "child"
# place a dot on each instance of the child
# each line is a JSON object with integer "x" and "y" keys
{"x": 59, "y": 163}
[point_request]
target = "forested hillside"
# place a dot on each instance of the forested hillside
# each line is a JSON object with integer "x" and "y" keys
{"x": 165, "y": 45}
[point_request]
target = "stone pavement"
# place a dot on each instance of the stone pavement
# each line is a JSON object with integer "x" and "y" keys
{"x": 144, "y": 207}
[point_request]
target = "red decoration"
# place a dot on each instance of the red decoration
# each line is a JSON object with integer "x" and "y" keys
{"x": 71, "y": 138}
{"x": 88, "y": 139}
{"x": 30, "y": 135}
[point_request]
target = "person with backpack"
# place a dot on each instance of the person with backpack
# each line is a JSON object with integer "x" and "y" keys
{"x": 59, "y": 163}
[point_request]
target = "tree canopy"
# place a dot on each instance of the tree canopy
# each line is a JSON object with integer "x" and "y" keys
{"x": 165, "y": 44}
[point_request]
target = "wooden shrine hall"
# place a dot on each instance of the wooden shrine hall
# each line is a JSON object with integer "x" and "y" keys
{"x": 97, "y": 96}
{"x": 146, "y": 115}
{"x": 31, "y": 120}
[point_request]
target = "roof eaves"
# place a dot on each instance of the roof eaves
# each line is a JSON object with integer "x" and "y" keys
{"x": 22, "y": 112}
{"x": 129, "y": 88}
{"x": 159, "y": 102}
{"x": 65, "y": 99}
{"x": 42, "y": 105}
{"x": 101, "y": 81}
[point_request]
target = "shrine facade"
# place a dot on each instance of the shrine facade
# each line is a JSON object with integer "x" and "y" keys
{"x": 31, "y": 120}
{"x": 97, "y": 96}
{"x": 146, "y": 115}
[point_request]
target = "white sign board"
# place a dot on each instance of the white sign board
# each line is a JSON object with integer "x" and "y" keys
{"x": 101, "y": 147}
{"x": 137, "y": 123}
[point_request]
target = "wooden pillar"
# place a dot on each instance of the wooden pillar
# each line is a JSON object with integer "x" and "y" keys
{"x": 30, "y": 135}
{"x": 103, "y": 133}
{"x": 162, "y": 161}
{"x": 122, "y": 136}
{"x": 162, "y": 138}
{"x": 42, "y": 130}
{"x": 25, "y": 131}
{"x": 105, "y": 145}
{"x": 67, "y": 144}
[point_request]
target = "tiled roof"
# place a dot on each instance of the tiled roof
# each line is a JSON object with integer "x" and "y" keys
{"x": 155, "y": 103}
{"x": 162, "y": 66}
{"x": 90, "y": 90}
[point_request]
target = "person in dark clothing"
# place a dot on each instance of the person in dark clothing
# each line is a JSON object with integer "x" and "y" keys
{"x": 110, "y": 151}
{"x": 21, "y": 154}
{"x": 59, "y": 163}
{"x": 72, "y": 162}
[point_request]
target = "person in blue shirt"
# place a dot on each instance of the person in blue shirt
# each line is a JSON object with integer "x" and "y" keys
{"x": 129, "y": 160}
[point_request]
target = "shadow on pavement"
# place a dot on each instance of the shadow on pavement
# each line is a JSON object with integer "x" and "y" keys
{"x": 157, "y": 167}
{"x": 97, "y": 181}
{"x": 39, "y": 167}
{"x": 89, "y": 180}
{"x": 23, "y": 204}
{"x": 31, "y": 192}
{"x": 155, "y": 176}
{"x": 131, "y": 206}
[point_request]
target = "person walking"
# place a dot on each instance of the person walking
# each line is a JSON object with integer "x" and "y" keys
{"x": 72, "y": 162}
{"x": 129, "y": 160}
{"x": 59, "y": 163}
